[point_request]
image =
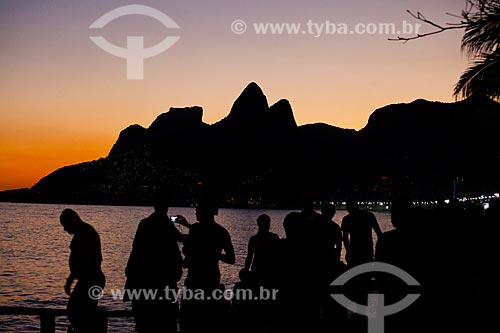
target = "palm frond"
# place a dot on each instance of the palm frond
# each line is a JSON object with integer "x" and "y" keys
{"x": 482, "y": 34}
{"x": 481, "y": 78}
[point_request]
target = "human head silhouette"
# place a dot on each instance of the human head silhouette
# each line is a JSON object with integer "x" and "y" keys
{"x": 264, "y": 222}
{"x": 160, "y": 206}
{"x": 160, "y": 202}
{"x": 293, "y": 225}
{"x": 70, "y": 220}
{"x": 352, "y": 206}
{"x": 206, "y": 210}
{"x": 328, "y": 210}
{"x": 308, "y": 202}
{"x": 402, "y": 211}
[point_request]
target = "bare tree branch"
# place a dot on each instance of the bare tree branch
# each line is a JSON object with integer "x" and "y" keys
{"x": 439, "y": 28}
{"x": 480, "y": 20}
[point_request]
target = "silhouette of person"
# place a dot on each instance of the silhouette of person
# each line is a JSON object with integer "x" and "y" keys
{"x": 330, "y": 247}
{"x": 245, "y": 311}
{"x": 490, "y": 223}
{"x": 155, "y": 264}
{"x": 261, "y": 264}
{"x": 313, "y": 234}
{"x": 261, "y": 255}
{"x": 298, "y": 302}
{"x": 85, "y": 267}
{"x": 206, "y": 244}
{"x": 403, "y": 248}
{"x": 321, "y": 233}
{"x": 397, "y": 246}
{"x": 310, "y": 219}
{"x": 357, "y": 229}
{"x": 488, "y": 276}
{"x": 331, "y": 231}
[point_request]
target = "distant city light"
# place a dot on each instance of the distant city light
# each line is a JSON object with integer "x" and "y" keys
{"x": 483, "y": 200}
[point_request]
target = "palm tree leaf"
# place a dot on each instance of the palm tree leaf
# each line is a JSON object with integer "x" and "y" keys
{"x": 482, "y": 34}
{"x": 481, "y": 78}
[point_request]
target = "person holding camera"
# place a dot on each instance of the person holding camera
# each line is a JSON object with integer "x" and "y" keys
{"x": 155, "y": 264}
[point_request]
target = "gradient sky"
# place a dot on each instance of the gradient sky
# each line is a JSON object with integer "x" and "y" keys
{"x": 63, "y": 100}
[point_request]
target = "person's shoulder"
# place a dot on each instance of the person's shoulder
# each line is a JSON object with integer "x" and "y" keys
{"x": 365, "y": 215}
{"x": 372, "y": 217}
{"x": 333, "y": 225}
{"x": 88, "y": 228}
{"x": 221, "y": 229}
{"x": 368, "y": 213}
{"x": 346, "y": 219}
{"x": 87, "y": 231}
{"x": 281, "y": 243}
{"x": 153, "y": 222}
{"x": 147, "y": 220}
{"x": 265, "y": 237}
{"x": 390, "y": 233}
{"x": 195, "y": 227}
{"x": 389, "y": 236}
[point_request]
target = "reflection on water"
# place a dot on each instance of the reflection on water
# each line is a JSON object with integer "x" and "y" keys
{"x": 34, "y": 251}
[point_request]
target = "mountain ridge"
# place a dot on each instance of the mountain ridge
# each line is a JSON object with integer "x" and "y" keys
{"x": 259, "y": 152}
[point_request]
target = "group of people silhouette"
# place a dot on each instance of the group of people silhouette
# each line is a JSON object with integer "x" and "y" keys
{"x": 434, "y": 246}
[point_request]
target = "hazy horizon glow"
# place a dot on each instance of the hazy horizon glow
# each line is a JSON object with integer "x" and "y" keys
{"x": 64, "y": 100}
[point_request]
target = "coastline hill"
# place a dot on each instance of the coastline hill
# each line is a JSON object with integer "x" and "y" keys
{"x": 258, "y": 156}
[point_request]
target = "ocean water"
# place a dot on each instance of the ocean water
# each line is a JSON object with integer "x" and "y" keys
{"x": 34, "y": 252}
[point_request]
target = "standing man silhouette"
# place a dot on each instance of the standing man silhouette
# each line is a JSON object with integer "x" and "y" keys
{"x": 357, "y": 229}
{"x": 261, "y": 255}
{"x": 85, "y": 267}
{"x": 155, "y": 264}
{"x": 207, "y": 243}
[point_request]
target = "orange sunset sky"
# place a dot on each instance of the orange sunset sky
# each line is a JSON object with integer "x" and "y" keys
{"x": 63, "y": 100}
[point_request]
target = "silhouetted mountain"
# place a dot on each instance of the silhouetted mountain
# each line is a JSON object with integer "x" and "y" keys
{"x": 281, "y": 116}
{"x": 178, "y": 126}
{"x": 432, "y": 143}
{"x": 258, "y": 154}
{"x": 249, "y": 109}
{"x": 131, "y": 138}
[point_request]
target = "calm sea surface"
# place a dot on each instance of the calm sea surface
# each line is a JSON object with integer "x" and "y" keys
{"x": 34, "y": 251}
